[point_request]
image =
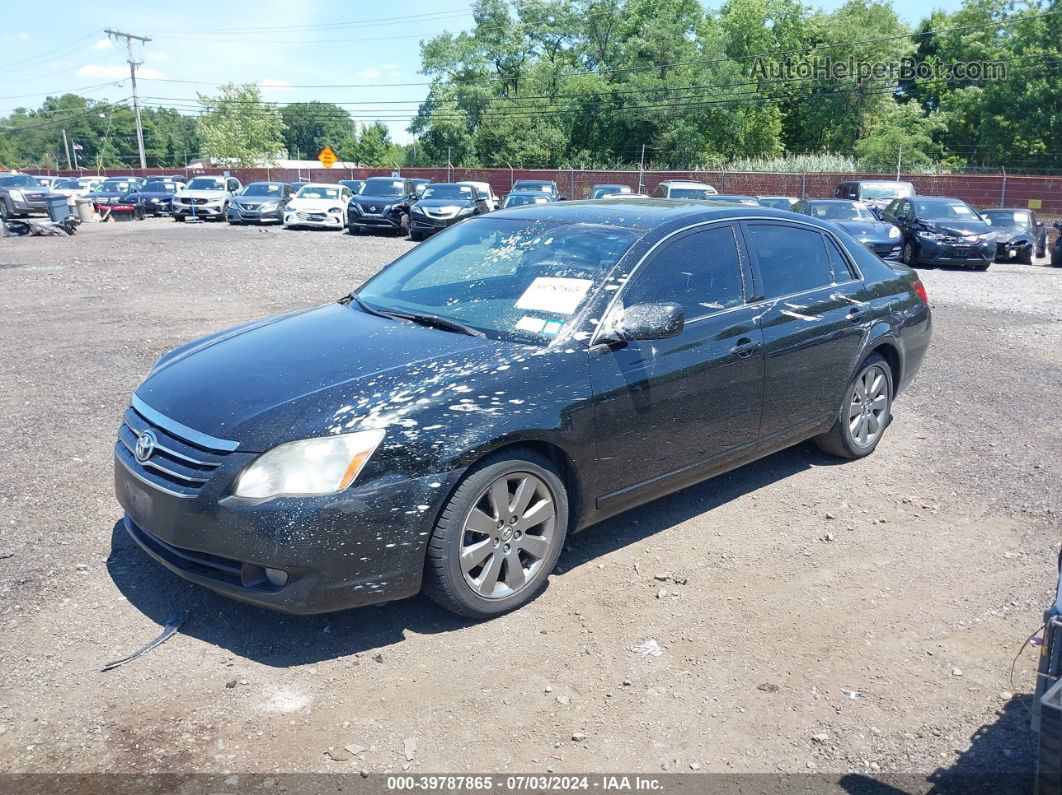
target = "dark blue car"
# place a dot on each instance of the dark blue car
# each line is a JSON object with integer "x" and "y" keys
{"x": 856, "y": 219}
{"x": 156, "y": 194}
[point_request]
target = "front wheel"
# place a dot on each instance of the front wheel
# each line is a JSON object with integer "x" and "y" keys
{"x": 908, "y": 254}
{"x": 499, "y": 536}
{"x": 178, "y": 218}
{"x": 865, "y": 412}
{"x": 416, "y": 236}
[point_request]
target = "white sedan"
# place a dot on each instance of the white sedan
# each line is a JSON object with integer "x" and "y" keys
{"x": 318, "y": 205}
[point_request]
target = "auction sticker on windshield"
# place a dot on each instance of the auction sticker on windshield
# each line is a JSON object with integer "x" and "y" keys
{"x": 554, "y": 294}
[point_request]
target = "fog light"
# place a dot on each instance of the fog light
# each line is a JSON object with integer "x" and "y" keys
{"x": 276, "y": 577}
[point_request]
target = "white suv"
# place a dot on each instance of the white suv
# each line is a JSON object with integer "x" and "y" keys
{"x": 205, "y": 197}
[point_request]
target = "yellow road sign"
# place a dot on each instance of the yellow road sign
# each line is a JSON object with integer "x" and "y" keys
{"x": 327, "y": 157}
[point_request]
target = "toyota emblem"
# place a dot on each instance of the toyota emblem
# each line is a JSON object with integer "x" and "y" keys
{"x": 145, "y": 446}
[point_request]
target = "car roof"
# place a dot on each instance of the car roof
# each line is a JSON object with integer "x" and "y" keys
{"x": 1006, "y": 210}
{"x": 637, "y": 213}
{"x": 319, "y": 185}
{"x": 685, "y": 182}
{"x": 832, "y": 201}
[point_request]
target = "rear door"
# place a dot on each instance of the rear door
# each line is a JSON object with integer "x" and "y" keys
{"x": 814, "y": 315}
{"x": 669, "y": 409}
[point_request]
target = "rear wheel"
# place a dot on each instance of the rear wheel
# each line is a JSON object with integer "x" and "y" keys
{"x": 865, "y": 412}
{"x": 499, "y": 536}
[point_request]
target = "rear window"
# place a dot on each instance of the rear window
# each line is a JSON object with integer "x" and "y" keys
{"x": 791, "y": 260}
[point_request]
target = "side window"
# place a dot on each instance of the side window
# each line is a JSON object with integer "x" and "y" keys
{"x": 700, "y": 270}
{"x": 842, "y": 190}
{"x": 660, "y": 192}
{"x": 841, "y": 270}
{"x": 903, "y": 210}
{"x": 791, "y": 259}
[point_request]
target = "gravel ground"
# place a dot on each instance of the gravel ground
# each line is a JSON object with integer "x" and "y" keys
{"x": 854, "y": 618}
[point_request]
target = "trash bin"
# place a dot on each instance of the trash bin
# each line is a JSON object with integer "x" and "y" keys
{"x": 85, "y": 209}
{"x": 58, "y": 207}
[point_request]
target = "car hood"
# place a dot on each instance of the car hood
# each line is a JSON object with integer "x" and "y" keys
{"x": 870, "y": 230}
{"x": 380, "y": 201}
{"x": 154, "y": 194}
{"x": 256, "y": 200}
{"x": 314, "y": 205}
{"x": 958, "y": 228}
{"x": 201, "y": 194}
{"x": 443, "y": 204}
{"x": 289, "y": 377}
{"x": 1014, "y": 235}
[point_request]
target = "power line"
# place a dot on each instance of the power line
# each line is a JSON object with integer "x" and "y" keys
{"x": 133, "y": 64}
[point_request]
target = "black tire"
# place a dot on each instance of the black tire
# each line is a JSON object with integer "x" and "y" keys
{"x": 839, "y": 440}
{"x": 983, "y": 266}
{"x": 1026, "y": 257}
{"x": 907, "y": 254}
{"x": 403, "y": 225}
{"x": 179, "y": 218}
{"x": 444, "y": 581}
{"x": 5, "y": 212}
{"x": 416, "y": 236}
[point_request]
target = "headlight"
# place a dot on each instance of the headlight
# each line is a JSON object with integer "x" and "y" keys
{"x": 335, "y": 209}
{"x": 324, "y": 465}
{"x": 15, "y": 194}
{"x": 269, "y": 206}
{"x": 417, "y": 210}
{"x": 928, "y": 235}
{"x": 466, "y": 211}
{"x": 894, "y": 232}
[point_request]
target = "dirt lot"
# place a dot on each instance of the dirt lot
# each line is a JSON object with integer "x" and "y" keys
{"x": 813, "y": 616}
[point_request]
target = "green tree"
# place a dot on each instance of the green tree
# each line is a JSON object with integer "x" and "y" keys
{"x": 238, "y": 128}
{"x": 903, "y": 135}
{"x": 375, "y": 147}
{"x": 311, "y": 126}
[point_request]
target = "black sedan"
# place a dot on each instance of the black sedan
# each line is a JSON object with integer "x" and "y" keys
{"x": 442, "y": 205}
{"x": 1020, "y": 235}
{"x": 120, "y": 191}
{"x": 156, "y": 195}
{"x": 259, "y": 202}
{"x": 857, "y": 220}
{"x": 733, "y": 198}
{"x": 941, "y": 231}
{"x": 515, "y": 378}
{"x": 521, "y": 198}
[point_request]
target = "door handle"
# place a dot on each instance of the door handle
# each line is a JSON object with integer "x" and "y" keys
{"x": 745, "y": 347}
{"x": 855, "y": 314}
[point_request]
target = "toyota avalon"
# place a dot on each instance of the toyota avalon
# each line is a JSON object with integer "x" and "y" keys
{"x": 514, "y": 379}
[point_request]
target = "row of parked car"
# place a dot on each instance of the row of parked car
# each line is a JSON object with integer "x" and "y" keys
{"x": 888, "y": 217}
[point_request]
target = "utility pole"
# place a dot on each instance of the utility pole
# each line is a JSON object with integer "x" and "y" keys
{"x": 133, "y": 64}
{"x": 899, "y": 157}
{"x": 66, "y": 146}
{"x": 641, "y": 172}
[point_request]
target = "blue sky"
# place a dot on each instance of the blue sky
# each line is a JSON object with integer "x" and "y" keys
{"x": 280, "y": 44}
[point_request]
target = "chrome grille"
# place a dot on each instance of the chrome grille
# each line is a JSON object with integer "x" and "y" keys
{"x": 177, "y": 466}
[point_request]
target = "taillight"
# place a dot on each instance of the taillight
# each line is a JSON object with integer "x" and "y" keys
{"x": 920, "y": 290}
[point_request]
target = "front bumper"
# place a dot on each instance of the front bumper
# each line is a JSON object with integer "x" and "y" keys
{"x": 886, "y": 249}
{"x": 322, "y": 220}
{"x": 1007, "y": 251}
{"x": 237, "y": 213}
{"x": 361, "y": 546}
{"x": 158, "y": 206}
{"x": 198, "y": 210}
{"x": 933, "y": 251}
{"x": 363, "y": 220}
{"x": 29, "y": 204}
{"x": 428, "y": 225}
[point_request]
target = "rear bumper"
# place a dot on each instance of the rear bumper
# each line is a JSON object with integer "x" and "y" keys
{"x": 362, "y": 546}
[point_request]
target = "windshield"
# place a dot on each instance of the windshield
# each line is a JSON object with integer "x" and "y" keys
{"x": 841, "y": 211}
{"x": 523, "y": 184}
{"x": 262, "y": 189}
{"x": 318, "y": 192}
{"x": 67, "y": 184}
{"x": 519, "y": 199}
{"x": 884, "y": 190}
{"x": 384, "y": 188}
{"x": 945, "y": 210}
{"x": 1007, "y": 219}
{"x": 207, "y": 183}
{"x": 159, "y": 184}
{"x": 464, "y": 192}
{"x": 20, "y": 179}
{"x": 512, "y": 280}
{"x": 608, "y": 190}
{"x": 776, "y": 203}
{"x": 688, "y": 193}
{"x": 115, "y": 186}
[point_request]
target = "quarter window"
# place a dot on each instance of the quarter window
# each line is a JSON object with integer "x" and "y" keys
{"x": 700, "y": 270}
{"x": 791, "y": 260}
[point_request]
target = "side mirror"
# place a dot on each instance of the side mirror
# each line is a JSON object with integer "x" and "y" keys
{"x": 647, "y": 322}
{"x": 1039, "y": 223}
{"x": 562, "y": 198}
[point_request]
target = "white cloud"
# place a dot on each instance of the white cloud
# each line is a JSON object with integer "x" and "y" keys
{"x": 102, "y": 44}
{"x": 117, "y": 72}
{"x": 283, "y": 85}
{"x": 388, "y": 72}
{"x": 368, "y": 74}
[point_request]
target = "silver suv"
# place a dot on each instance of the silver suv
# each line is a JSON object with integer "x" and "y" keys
{"x": 683, "y": 189}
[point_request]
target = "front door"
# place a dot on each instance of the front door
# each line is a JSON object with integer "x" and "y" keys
{"x": 668, "y": 410}
{"x": 814, "y": 318}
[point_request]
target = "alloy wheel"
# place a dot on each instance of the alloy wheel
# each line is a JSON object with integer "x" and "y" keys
{"x": 867, "y": 406}
{"x": 507, "y": 535}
